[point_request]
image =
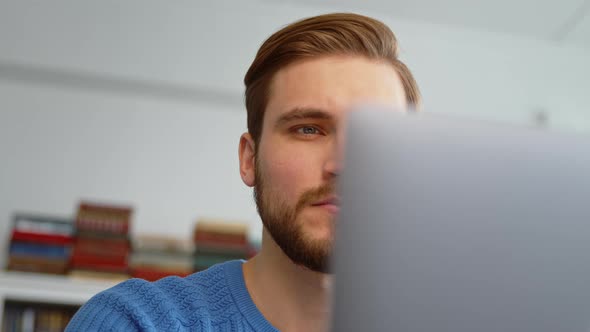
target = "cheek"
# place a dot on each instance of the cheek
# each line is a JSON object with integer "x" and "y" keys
{"x": 288, "y": 174}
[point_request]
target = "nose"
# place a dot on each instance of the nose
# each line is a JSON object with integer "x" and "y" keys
{"x": 335, "y": 158}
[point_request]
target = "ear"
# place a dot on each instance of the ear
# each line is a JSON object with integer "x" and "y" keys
{"x": 247, "y": 159}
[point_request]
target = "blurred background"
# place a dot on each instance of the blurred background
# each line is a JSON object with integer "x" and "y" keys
{"x": 140, "y": 103}
{"x": 137, "y": 106}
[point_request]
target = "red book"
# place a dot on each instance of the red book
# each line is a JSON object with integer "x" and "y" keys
{"x": 100, "y": 268}
{"x": 110, "y": 263}
{"x": 102, "y": 226}
{"x": 44, "y": 238}
{"x": 220, "y": 238}
{"x": 100, "y": 247}
{"x": 103, "y": 218}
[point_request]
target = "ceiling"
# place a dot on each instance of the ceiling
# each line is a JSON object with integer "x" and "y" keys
{"x": 563, "y": 21}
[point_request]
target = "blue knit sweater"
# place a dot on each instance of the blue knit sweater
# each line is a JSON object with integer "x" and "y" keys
{"x": 211, "y": 300}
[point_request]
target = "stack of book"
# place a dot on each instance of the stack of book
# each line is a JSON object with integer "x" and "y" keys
{"x": 40, "y": 244}
{"x": 218, "y": 241}
{"x": 156, "y": 256}
{"x": 101, "y": 243}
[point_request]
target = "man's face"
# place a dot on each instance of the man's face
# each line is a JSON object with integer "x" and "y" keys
{"x": 299, "y": 155}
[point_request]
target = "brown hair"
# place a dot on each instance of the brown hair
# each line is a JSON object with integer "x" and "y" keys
{"x": 330, "y": 34}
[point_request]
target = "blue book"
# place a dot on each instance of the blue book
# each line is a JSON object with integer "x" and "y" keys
{"x": 39, "y": 250}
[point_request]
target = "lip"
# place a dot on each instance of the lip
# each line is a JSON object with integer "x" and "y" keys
{"x": 332, "y": 200}
{"x": 334, "y": 209}
{"x": 332, "y": 204}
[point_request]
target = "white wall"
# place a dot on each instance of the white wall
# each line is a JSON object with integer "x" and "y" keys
{"x": 175, "y": 159}
{"x": 210, "y": 45}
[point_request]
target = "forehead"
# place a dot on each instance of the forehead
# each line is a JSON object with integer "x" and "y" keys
{"x": 334, "y": 84}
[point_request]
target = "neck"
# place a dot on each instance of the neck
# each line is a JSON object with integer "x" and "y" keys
{"x": 291, "y": 297}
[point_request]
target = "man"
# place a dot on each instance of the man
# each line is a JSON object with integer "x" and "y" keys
{"x": 303, "y": 80}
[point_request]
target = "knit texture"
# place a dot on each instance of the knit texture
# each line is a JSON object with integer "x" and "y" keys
{"x": 212, "y": 300}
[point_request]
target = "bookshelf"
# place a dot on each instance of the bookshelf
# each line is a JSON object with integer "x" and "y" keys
{"x": 47, "y": 289}
{"x": 33, "y": 301}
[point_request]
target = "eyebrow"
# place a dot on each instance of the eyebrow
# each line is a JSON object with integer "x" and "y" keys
{"x": 300, "y": 113}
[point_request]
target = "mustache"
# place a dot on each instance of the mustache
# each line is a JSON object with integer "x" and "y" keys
{"x": 312, "y": 195}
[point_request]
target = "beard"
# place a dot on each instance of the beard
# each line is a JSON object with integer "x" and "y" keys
{"x": 281, "y": 221}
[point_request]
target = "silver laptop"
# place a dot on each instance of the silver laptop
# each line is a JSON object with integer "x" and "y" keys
{"x": 460, "y": 226}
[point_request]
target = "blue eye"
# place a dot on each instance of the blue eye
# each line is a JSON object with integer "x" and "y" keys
{"x": 308, "y": 130}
